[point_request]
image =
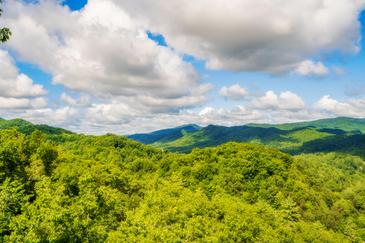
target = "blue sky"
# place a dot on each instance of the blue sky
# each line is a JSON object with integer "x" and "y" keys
{"x": 75, "y": 5}
{"x": 330, "y": 83}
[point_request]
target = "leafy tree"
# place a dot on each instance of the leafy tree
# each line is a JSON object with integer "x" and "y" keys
{"x": 13, "y": 156}
{"x": 12, "y": 198}
{"x": 5, "y": 33}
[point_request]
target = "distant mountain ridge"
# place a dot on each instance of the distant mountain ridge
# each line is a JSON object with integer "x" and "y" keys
{"x": 347, "y": 124}
{"x": 291, "y": 137}
{"x": 165, "y": 135}
{"x": 328, "y": 135}
{"x": 27, "y": 127}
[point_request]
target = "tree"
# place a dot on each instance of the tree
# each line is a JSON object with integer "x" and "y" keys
{"x": 5, "y": 33}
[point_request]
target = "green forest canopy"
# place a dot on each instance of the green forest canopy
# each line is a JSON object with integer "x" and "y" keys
{"x": 66, "y": 187}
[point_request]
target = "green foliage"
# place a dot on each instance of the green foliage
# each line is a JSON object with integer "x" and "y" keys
{"x": 75, "y": 188}
{"x": 5, "y": 33}
{"x": 12, "y": 199}
{"x": 13, "y": 155}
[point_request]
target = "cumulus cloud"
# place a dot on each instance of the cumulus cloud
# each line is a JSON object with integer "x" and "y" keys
{"x": 14, "y": 84}
{"x": 83, "y": 100}
{"x": 122, "y": 118}
{"x": 285, "y": 101}
{"x": 352, "y": 108}
{"x": 66, "y": 117}
{"x": 244, "y": 35}
{"x": 205, "y": 116}
{"x": 22, "y": 103}
{"x": 311, "y": 68}
{"x": 17, "y": 90}
{"x": 234, "y": 92}
{"x": 102, "y": 51}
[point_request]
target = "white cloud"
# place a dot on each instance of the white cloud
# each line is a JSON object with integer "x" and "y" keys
{"x": 207, "y": 111}
{"x": 245, "y": 35}
{"x": 196, "y": 97}
{"x": 352, "y": 108}
{"x": 285, "y": 101}
{"x": 126, "y": 119}
{"x": 234, "y": 92}
{"x": 66, "y": 117}
{"x": 111, "y": 113}
{"x": 123, "y": 118}
{"x": 123, "y": 110}
{"x": 14, "y": 84}
{"x": 311, "y": 68}
{"x": 102, "y": 51}
{"x": 17, "y": 90}
{"x": 82, "y": 101}
{"x": 135, "y": 123}
{"x": 22, "y": 103}
{"x": 118, "y": 80}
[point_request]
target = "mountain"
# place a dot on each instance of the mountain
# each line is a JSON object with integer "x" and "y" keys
{"x": 165, "y": 135}
{"x": 28, "y": 127}
{"x": 352, "y": 144}
{"x": 287, "y": 137}
{"x": 342, "y": 123}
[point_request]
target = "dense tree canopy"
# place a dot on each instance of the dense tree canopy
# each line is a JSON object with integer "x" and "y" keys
{"x": 5, "y": 33}
{"x": 76, "y": 188}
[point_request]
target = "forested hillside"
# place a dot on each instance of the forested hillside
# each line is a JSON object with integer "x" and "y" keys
{"x": 294, "y": 138}
{"x": 347, "y": 124}
{"x": 64, "y": 187}
{"x": 27, "y": 127}
{"x": 165, "y": 135}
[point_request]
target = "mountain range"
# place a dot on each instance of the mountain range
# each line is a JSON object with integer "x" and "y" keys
{"x": 326, "y": 135}
{"x": 334, "y": 134}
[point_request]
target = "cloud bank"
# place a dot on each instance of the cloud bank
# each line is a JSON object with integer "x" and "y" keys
{"x": 116, "y": 79}
{"x": 244, "y": 35}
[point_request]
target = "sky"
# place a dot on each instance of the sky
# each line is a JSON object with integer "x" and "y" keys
{"x": 132, "y": 66}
